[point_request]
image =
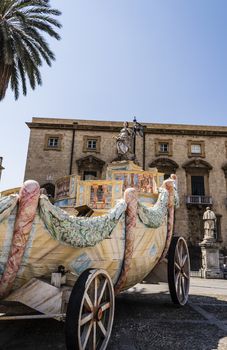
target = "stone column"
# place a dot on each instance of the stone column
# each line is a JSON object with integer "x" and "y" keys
{"x": 210, "y": 260}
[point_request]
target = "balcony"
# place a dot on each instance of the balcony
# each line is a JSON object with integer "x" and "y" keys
{"x": 201, "y": 200}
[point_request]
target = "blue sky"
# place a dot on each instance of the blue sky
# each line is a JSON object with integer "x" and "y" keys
{"x": 161, "y": 60}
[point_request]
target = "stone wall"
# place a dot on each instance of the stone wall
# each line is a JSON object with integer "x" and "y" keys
{"x": 107, "y": 147}
{"x": 48, "y": 165}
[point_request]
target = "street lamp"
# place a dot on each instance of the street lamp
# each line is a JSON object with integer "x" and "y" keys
{"x": 137, "y": 129}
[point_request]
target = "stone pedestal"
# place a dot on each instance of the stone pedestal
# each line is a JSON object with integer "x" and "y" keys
{"x": 210, "y": 260}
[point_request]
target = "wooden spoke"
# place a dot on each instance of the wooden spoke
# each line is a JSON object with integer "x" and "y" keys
{"x": 96, "y": 291}
{"x": 102, "y": 291}
{"x": 88, "y": 301}
{"x": 100, "y": 324}
{"x": 94, "y": 337}
{"x": 184, "y": 259}
{"x": 182, "y": 287}
{"x": 86, "y": 318}
{"x": 105, "y": 306}
{"x": 177, "y": 266}
{"x": 178, "y": 255}
{"x": 88, "y": 332}
{"x": 177, "y": 276}
{"x": 186, "y": 276}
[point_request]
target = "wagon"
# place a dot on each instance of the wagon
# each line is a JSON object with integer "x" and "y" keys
{"x": 71, "y": 267}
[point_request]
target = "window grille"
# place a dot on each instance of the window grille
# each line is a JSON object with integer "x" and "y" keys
{"x": 53, "y": 142}
{"x": 91, "y": 144}
{"x": 195, "y": 148}
{"x": 164, "y": 147}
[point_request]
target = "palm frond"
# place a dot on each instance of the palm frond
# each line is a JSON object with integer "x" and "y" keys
{"x": 22, "y": 75}
{"x": 14, "y": 80}
{"x": 22, "y": 44}
{"x": 26, "y": 3}
{"x": 47, "y": 19}
{"x": 44, "y": 10}
{"x": 43, "y": 27}
{"x": 40, "y": 40}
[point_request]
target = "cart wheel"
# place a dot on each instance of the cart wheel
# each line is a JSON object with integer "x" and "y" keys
{"x": 90, "y": 311}
{"x": 178, "y": 271}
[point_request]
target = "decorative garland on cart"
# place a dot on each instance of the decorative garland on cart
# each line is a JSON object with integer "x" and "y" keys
{"x": 79, "y": 231}
{"x": 7, "y": 204}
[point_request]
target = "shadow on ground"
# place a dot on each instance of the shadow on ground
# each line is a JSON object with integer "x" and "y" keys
{"x": 151, "y": 321}
{"x": 142, "y": 322}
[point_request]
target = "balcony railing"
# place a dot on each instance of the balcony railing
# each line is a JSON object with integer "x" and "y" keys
{"x": 205, "y": 200}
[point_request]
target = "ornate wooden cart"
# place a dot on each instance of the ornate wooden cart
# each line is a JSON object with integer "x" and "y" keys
{"x": 91, "y": 259}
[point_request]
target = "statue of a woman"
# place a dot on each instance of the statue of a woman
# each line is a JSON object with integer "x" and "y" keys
{"x": 125, "y": 139}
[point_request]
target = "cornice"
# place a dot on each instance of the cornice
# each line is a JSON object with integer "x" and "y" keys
{"x": 187, "y": 132}
{"x": 74, "y": 127}
{"x": 148, "y": 130}
{"x": 32, "y": 125}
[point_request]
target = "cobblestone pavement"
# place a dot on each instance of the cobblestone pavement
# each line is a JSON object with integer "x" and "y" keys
{"x": 145, "y": 319}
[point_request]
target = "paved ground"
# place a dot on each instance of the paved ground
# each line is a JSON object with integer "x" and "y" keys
{"x": 145, "y": 319}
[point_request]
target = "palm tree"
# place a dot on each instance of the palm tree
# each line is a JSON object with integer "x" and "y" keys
{"x": 22, "y": 44}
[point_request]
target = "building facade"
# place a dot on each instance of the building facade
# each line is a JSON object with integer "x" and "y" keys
{"x": 197, "y": 154}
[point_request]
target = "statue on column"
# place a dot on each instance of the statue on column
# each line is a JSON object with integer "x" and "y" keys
{"x": 209, "y": 219}
{"x": 125, "y": 141}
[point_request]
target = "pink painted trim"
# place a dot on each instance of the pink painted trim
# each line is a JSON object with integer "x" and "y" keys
{"x": 130, "y": 223}
{"x": 169, "y": 233}
{"x": 169, "y": 185}
{"x": 28, "y": 202}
